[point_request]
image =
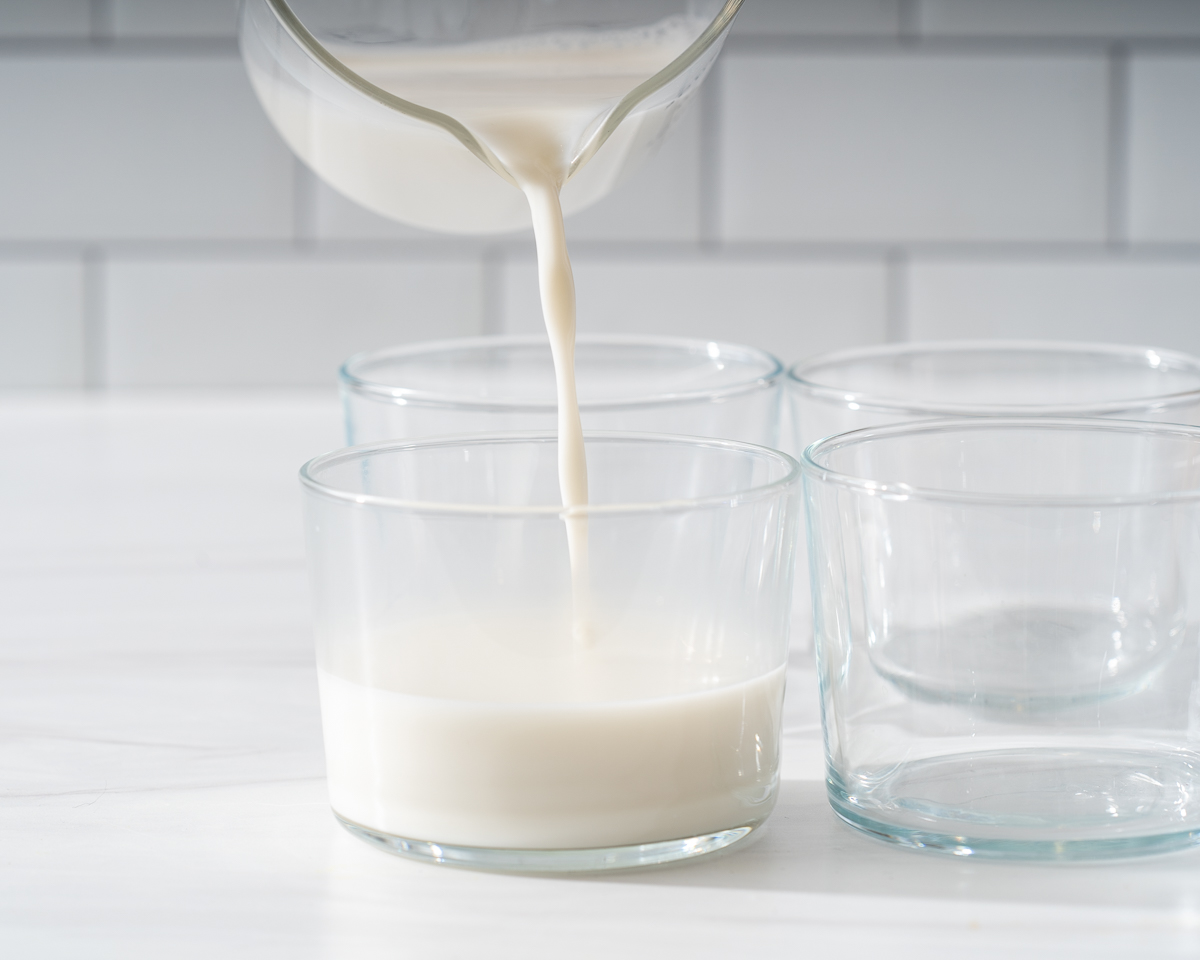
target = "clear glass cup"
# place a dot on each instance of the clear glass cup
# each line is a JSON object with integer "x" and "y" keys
{"x": 1005, "y": 613}
{"x": 626, "y": 383}
{"x": 390, "y": 150}
{"x": 466, "y": 721}
{"x": 870, "y": 387}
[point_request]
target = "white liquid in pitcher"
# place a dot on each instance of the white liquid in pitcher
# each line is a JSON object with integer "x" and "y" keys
{"x": 478, "y": 740}
{"x": 559, "y": 84}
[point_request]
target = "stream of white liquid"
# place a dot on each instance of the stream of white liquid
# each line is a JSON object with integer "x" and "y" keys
{"x": 557, "y": 283}
{"x": 534, "y": 106}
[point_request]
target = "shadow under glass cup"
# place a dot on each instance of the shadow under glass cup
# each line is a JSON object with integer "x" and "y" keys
{"x": 873, "y": 386}
{"x": 625, "y": 383}
{"x": 1005, "y": 618}
{"x": 468, "y": 721}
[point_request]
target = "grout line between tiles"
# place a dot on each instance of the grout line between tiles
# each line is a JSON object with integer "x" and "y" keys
{"x": 896, "y": 320}
{"x": 304, "y": 204}
{"x": 101, "y": 44}
{"x": 492, "y": 320}
{"x": 1117, "y": 199}
{"x": 785, "y": 251}
{"x": 95, "y": 326}
{"x": 709, "y": 200}
{"x": 101, "y": 21}
{"x": 909, "y": 40}
{"x": 437, "y": 249}
{"x": 908, "y": 16}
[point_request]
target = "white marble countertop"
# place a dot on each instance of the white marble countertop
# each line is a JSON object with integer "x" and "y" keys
{"x": 161, "y": 774}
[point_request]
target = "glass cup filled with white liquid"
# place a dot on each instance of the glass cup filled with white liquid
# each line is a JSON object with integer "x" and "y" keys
{"x": 489, "y": 702}
{"x": 537, "y": 653}
{"x": 625, "y": 382}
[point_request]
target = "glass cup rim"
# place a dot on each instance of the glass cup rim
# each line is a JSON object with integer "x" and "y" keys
{"x": 353, "y": 382}
{"x": 892, "y": 490}
{"x": 800, "y": 377}
{"x": 309, "y": 480}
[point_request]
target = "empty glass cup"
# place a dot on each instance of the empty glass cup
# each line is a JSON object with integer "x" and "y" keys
{"x": 869, "y": 387}
{"x": 467, "y": 721}
{"x": 1005, "y": 614}
{"x": 625, "y": 383}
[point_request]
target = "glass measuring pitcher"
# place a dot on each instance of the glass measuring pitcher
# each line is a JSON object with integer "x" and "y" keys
{"x": 404, "y": 105}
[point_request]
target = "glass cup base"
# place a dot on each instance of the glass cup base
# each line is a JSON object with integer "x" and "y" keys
{"x": 1033, "y": 803}
{"x": 551, "y": 861}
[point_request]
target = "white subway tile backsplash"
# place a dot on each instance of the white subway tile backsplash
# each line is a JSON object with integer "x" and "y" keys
{"x": 274, "y": 322}
{"x": 818, "y": 153}
{"x": 174, "y": 18}
{"x": 45, "y": 18}
{"x": 1110, "y": 299}
{"x": 113, "y": 148}
{"x": 41, "y": 324}
{"x": 1060, "y": 18}
{"x": 914, "y": 147}
{"x": 1164, "y": 149}
{"x": 793, "y": 309}
{"x": 818, "y": 17}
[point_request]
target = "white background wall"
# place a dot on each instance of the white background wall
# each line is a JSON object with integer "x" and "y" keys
{"x": 854, "y": 171}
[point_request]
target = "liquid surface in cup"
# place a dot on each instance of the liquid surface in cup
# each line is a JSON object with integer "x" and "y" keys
{"x": 487, "y": 739}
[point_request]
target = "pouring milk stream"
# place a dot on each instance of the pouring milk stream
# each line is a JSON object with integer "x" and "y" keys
{"x": 531, "y": 105}
{"x": 537, "y": 106}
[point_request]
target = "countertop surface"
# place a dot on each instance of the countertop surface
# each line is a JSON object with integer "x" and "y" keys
{"x": 161, "y": 774}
